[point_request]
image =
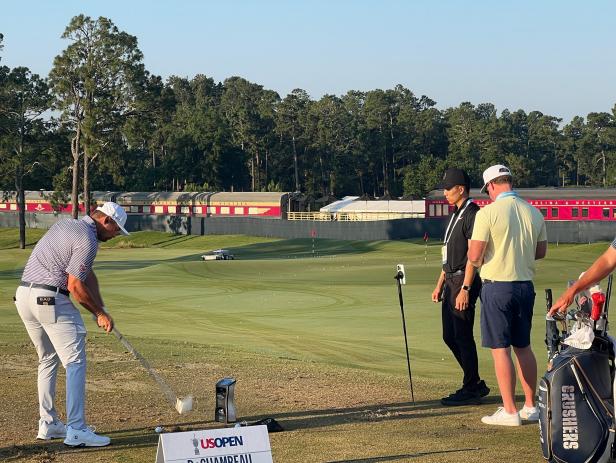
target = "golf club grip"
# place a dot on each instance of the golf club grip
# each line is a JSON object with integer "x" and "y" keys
{"x": 170, "y": 396}
{"x": 548, "y": 299}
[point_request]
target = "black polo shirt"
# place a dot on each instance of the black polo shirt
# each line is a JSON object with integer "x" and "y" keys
{"x": 460, "y": 233}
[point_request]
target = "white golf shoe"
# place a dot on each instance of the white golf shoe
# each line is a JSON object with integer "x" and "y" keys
{"x": 84, "y": 438}
{"x": 502, "y": 418}
{"x": 48, "y": 431}
{"x": 529, "y": 413}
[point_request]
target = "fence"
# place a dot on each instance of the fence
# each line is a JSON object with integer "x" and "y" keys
{"x": 352, "y": 216}
{"x": 558, "y": 231}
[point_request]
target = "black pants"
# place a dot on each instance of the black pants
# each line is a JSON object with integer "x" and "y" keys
{"x": 458, "y": 327}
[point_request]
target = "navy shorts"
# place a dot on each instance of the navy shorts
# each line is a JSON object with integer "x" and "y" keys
{"x": 506, "y": 313}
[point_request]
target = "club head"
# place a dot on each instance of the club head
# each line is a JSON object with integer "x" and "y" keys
{"x": 184, "y": 405}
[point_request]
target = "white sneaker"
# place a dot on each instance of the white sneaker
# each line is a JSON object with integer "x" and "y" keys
{"x": 53, "y": 430}
{"x": 84, "y": 438}
{"x": 529, "y": 413}
{"x": 502, "y": 418}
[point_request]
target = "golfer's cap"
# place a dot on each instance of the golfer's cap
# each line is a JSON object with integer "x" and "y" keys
{"x": 453, "y": 177}
{"x": 116, "y": 212}
{"x": 493, "y": 172}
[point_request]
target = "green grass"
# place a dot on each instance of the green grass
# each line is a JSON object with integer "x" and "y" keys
{"x": 9, "y": 237}
{"x": 316, "y": 314}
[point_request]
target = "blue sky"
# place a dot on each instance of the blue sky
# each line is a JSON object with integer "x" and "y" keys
{"x": 557, "y": 57}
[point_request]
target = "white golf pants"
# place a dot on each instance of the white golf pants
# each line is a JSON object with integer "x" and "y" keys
{"x": 59, "y": 336}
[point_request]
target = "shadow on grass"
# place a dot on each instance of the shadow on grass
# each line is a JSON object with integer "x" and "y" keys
{"x": 311, "y": 419}
{"x": 404, "y": 456}
{"x": 12, "y": 274}
{"x": 29, "y": 245}
{"x": 295, "y": 248}
{"x": 56, "y": 447}
{"x": 286, "y": 249}
{"x": 305, "y": 419}
{"x": 308, "y": 419}
{"x": 174, "y": 240}
{"x": 372, "y": 413}
{"x": 140, "y": 264}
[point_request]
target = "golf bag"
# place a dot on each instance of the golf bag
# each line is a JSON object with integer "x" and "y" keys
{"x": 576, "y": 405}
{"x": 576, "y": 399}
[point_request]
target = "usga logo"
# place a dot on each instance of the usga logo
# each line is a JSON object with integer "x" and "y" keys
{"x": 569, "y": 418}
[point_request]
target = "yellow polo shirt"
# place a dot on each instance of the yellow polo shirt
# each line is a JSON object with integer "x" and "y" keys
{"x": 511, "y": 227}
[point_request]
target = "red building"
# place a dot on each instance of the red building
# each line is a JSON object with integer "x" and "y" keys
{"x": 554, "y": 203}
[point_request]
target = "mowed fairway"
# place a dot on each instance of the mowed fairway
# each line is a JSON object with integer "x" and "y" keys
{"x": 311, "y": 331}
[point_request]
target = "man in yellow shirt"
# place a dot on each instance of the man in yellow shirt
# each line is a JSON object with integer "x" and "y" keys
{"x": 508, "y": 237}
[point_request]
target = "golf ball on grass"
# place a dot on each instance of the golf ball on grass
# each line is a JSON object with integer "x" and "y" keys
{"x": 158, "y": 429}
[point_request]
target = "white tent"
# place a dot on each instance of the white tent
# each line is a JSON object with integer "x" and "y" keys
{"x": 336, "y": 206}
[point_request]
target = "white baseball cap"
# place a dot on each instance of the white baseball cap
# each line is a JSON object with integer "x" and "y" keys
{"x": 493, "y": 172}
{"x": 116, "y": 212}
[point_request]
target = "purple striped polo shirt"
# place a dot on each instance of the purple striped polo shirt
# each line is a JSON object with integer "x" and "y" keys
{"x": 68, "y": 247}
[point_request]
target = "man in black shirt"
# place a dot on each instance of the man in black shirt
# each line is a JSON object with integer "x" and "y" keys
{"x": 458, "y": 288}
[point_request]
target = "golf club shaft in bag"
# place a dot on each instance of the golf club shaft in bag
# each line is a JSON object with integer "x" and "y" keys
{"x": 552, "y": 335}
{"x": 399, "y": 277}
{"x": 606, "y": 306}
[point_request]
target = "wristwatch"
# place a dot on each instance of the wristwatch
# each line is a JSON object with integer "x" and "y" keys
{"x": 466, "y": 287}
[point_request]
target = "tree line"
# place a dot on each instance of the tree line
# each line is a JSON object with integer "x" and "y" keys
{"x": 101, "y": 121}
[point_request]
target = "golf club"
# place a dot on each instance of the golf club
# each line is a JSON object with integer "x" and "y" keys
{"x": 552, "y": 335}
{"x": 182, "y": 405}
{"x": 606, "y": 306}
{"x": 401, "y": 279}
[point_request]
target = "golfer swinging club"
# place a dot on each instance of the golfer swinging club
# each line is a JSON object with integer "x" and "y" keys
{"x": 458, "y": 288}
{"x": 61, "y": 264}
